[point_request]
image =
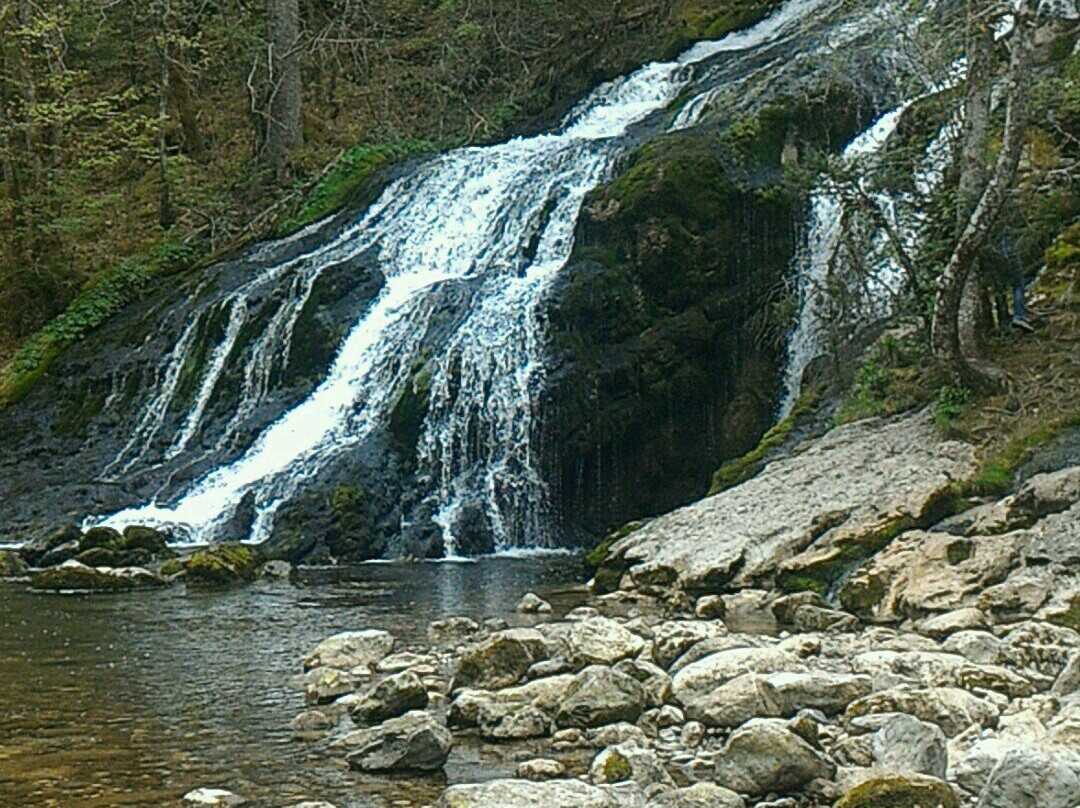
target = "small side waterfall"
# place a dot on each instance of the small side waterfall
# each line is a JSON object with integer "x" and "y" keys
{"x": 494, "y": 224}
{"x": 904, "y": 211}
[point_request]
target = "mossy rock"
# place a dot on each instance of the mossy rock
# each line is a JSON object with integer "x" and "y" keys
{"x": 1069, "y": 617}
{"x": 97, "y": 537}
{"x": 900, "y": 791}
{"x": 137, "y": 537}
{"x": 72, "y": 576}
{"x": 617, "y": 768}
{"x": 173, "y": 566}
{"x": 222, "y": 565}
{"x": 11, "y": 564}
{"x": 98, "y": 557}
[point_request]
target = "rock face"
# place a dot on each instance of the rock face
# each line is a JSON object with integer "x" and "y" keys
{"x": 413, "y": 742}
{"x": 874, "y": 467}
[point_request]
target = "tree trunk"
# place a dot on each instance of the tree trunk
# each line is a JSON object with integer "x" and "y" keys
{"x": 945, "y": 330}
{"x": 165, "y": 211}
{"x": 283, "y": 126}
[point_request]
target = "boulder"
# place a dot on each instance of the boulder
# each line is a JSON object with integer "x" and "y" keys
{"x": 710, "y": 607}
{"x": 350, "y": 649}
{"x": 698, "y": 679}
{"x": 498, "y": 722}
{"x": 598, "y": 696}
{"x": 601, "y": 641}
{"x": 654, "y": 681}
{"x": 899, "y": 791}
{"x": 734, "y": 702}
{"x": 831, "y": 693}
{"x": 1003, "y": 774}
{"x": 222, "y": 565}
{"x": 528, "y": 794}
{"x": 34, "y": 549}
{"x": 311, "y": 724}
{"x": 452, "y": 632}
{"x": 764, "y": 756}
{"x": 539, "y": 769}
{"x": 393, "y": 696}
{"x": 672, "y": 638}
{"x": 500, "y": 660}
{"x": 531, "y": 603}
{"x": 981, "y": 647}
{"x": 11, "y": 564}
{"x": 942, "y": 625}
{"x": 815, "y": 618}
{"x": 76, "y": 576}
{"x": 629, "y": 762}
{"x": 413, "y": 742}
{"x": 907, "y": 745}
{"x": 930, "y": 668}
{"x": 951, "y": 708}
{"x": 328, "y": 686}
{"x": 699, "y": 795}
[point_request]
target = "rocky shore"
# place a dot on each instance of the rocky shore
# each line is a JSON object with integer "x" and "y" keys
{"x": 830, "y": 633}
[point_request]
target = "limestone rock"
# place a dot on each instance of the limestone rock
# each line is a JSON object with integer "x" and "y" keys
{"x": 977, "y": 646}
{"x": 628, "y": 761}
{"x": 735, "y": 701}
{"x": 907, "y": 745}
{"x": 350, "y": 649}
{"x": 763, "y": 756}
{"x": 513, "y": 723}
{"x": 710, "y": 607}
{"x": 452, "y": 631}
{"x": 1008, "y": 775}
{"x": 742, "y": 534}
{"x": 699, "y": 795}
{"x": 501, "y": 660}
{"x": 76, "y": 576}
{"x": 830, "y": 693}
{"x": 699, "y": 679}
{"x": 601, "y": 641}
{"x": 539, "y": 769}
{"x": 951, "y": 708}
{"x": 928, "y": 668}
{"x": 413, "y": 742}
{"x": 941, "y": 626}
{"x": 672, "y": 638}
{"x": 528, "y": 794}
{"x": 393, "y": 696}
{"x": 656, "y": 683}
{"x": 328, "y": 686}
{"x": 311, "y": 724}
{"x": 600, "y": 695}
{"x": 531, "y": 603}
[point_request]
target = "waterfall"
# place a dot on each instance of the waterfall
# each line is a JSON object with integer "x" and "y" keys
{"x": 814, "y": 261}
{"x": 494, "y": 223}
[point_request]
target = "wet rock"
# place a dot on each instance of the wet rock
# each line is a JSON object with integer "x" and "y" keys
{"x": 393, "y": 696}
{"x": 11, "y": 564}
{"x": 951, "y": 708}
{"x": 315, "y": 804}
{"x": 276, "y": 569}
{"x": 628, "y": 762}
{"x": 413, "y": 742}
{"x": 903, "y": 743}
{"x": 615, "y": 734}
{"x": 764, "y": 757}
{"x": 600, "y": 695}
{"x": 222, "y": 565}
{"x": 37, "y": 547}
{"x": 699, "y": 795}
{"x": 498, "y": 722}
{"x": 501, "y": 660}
{"x": 528, "y": 794}
{"x": 311, "y": 724}
{"x": 328, "y": 686}
{"x": 350, "y": 649}
{"x": 452, "y": 631}
{"x": 899, "y": 791}
{"x": 531, "y": 603}
{"x": 75, "y": 576}
{"x": 815, "y": 618}
{"x": 539, "y": 769}
{"x": 59, "y": 554}
{"x": 211, "y": 798}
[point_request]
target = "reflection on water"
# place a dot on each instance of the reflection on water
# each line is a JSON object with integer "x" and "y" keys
{"x": 134, "y": 699}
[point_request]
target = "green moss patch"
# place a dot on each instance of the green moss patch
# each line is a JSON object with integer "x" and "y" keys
{"x": 222, "y": 565}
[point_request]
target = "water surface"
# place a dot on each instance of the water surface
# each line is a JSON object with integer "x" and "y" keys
{"x": 134, "y": 699}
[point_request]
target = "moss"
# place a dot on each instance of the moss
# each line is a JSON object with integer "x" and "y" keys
{"x": 896, "y": 375}
{"x": 899, "y": 791}
{"x": 171, "y": 567}
{"x": 222, "y": 564}
{"x": 1068, "y": 617}
{"x": 997, "y": 471}
{"x": 595, "y": 558}
{"x": 353, "y": 179}
{"x": 409, "y": 411}
{"x": 353, "y": 515}
{"x": 743, "y": 468}
{"x": 617, "y": 768}
{"x": 11, "y": 564}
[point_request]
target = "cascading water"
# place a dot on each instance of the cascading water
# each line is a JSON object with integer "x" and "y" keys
{"x": 814, "y": 261}
{"x": 496, "y": 224}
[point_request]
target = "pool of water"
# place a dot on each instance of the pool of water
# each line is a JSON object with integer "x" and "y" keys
{"x": 134, "y": 699}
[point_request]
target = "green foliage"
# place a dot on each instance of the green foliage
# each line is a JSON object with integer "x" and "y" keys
{"x": 896, "y": 375}
{"x": 350, "y": 176}
{"x": 950, "y": 404}
{"x": 222, "y": 564}
{"x": 997, "y": 471}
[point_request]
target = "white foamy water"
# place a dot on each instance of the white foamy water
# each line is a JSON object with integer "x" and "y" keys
{"x": 496, "y": 221}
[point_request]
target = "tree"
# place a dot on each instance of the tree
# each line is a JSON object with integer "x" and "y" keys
{"x": 283, "y": 61}
{"x": 950, "y": 319}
